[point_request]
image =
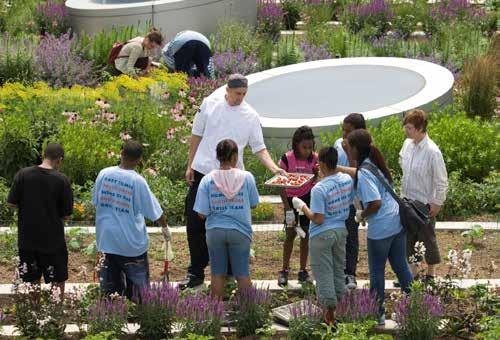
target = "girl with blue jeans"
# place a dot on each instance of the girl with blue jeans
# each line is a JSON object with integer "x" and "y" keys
{"x": 225, "y": 198}
{"x": 331, "y": 199}
{"x": 386, "y": 237}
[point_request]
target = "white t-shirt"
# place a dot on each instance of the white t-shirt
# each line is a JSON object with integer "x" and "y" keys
{"x": 217, "y": 120}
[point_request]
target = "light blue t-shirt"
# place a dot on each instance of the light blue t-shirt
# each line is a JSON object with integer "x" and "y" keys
{"x": 343, "y": 160}
{"x": 331, "y": 197}
{"x": 385, "y": 222}
{"x": 222, "y": 212}
{"x": 122, "y": 199}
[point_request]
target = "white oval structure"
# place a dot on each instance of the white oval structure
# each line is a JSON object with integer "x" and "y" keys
{"x": 321, "y": 93}
{"x": 171, "y": 16}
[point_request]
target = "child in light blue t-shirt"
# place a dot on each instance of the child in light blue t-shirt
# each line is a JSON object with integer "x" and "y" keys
{"x": 330, "y": 202}
{"x": 225, "y": 198}
{"x": 122, "y": 199}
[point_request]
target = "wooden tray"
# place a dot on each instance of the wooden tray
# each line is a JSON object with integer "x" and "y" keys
{"x": 270, "y": 181}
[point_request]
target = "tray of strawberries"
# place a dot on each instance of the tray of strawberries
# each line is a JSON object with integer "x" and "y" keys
{"x": 293, "y": 181}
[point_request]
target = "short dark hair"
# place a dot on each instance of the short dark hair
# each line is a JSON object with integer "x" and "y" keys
{"x": 418, "y": 118}
{"x": 131, "y": 150}
{"x": 53, "y": 151}
{"x": 329, "y": 156}
{"x": 226, "y": 148}
{"x": 356, "y": 120}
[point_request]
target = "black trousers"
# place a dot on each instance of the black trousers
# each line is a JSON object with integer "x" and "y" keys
{"x": 352, "y": 243}
{"x": 193, "y": 52}
{"x": 195, "y": 229}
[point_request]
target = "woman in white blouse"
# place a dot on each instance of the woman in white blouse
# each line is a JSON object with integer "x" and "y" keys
{"x": 425, "y": 180}
{"x": 136, "y": 54}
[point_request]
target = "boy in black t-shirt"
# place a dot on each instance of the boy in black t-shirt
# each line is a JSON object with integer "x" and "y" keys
{"x": 44, "y": 198}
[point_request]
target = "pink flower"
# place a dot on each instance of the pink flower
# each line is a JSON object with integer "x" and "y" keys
{"x": 110, "y": 117}
{"x": 152, "y": 172}
{"x": 179, "y": 106}
{"x": 179, "y": 117}
{"x": 174, "y": 111}
{"x": 72, "y": 118}
{"x": 69, "y": 113}
{"x": 192, "y": 100}
{"x": 165, "y": 96}
{"x": 125, "y": 136}
{"x": 170, "y": 133}
{"x": 102, "y": 104}
{"x": 182, "y": 93}
{"x": 110, "y": 154}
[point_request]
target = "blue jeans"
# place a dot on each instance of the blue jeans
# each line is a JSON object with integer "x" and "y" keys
{"x": 228, "y": 246}
{"x": 124, "y": 275}
{"x": 394, "y": 249}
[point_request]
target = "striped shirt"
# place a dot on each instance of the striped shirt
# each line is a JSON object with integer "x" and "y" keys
{"x": 176, "y": 44}
{"x": 424, "y": 172}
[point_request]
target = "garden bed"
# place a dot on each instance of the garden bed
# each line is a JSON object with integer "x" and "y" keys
{"x": 268, "y": 257}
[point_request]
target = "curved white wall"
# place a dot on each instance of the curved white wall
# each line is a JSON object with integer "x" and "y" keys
{"x": 321, "y": 93}
{"x": 171, "y": 16}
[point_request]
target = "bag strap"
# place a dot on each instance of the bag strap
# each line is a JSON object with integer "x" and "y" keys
{"x": 374, "y": 170}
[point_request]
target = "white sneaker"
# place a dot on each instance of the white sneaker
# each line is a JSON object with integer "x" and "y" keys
{"x": 350, "y": 282}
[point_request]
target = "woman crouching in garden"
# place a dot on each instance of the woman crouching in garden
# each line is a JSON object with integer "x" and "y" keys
{"x": 225, "y": 198}
{"x": 330, "y": 202}
{"x": 386, "y": 237}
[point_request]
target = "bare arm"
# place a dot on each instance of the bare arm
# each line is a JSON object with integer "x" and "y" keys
{"x": 347, "y": 170}
{"x": 315, "y": 217}
{"x": 266, "y": 160}
{"x": 162, "y": 221}
{"x": 284, "y": 199}
{"x": 11, "y": 205}
{"x": 371, "y": 209}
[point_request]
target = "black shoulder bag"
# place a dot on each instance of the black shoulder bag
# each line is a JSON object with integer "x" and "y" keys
{"x": 414, "y": 215}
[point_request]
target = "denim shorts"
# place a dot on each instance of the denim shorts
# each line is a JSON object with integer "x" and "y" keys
{"x": 228, "y": 244}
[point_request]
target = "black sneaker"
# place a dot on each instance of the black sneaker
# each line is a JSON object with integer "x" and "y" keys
{"x": 396, "y": 284}
{"x": 303, "y": 277}
{"x": 350, "y": 282}
{"x": 190, "y": 281}
{"x": 283, "y": 278}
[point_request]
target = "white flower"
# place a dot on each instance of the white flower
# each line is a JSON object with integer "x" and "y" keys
{"x": 453, "y": 258}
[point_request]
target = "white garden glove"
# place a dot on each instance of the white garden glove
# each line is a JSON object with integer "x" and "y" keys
{"x": 298, "y": 204}
{"x": 300, "y": 232}
{"x": 289, "y": 218}
{"x": 167, "y": 235}
{"x": 359, "y": 219}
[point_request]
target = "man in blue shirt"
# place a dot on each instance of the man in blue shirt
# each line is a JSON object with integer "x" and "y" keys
{"x": 189, "y": 52}
{"x": 123, "y": 199}
{"x": 352, "y": 121}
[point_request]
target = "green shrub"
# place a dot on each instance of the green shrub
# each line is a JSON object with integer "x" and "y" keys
{"x": 87, "y": 150}
{"x": 480, "y": 86}
{"x": 20, "y": 17}
{"x": 18, "y": 145}
{"x": 288, "y": 52}
{"x": 6, "y": 213}
{"x": 292, "y": 10}
{"x": 466, "y": 198}
{"x": 171, "y": 195}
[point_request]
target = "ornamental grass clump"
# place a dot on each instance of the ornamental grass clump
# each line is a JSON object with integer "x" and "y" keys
{"x": 480, "y": 86}
{"x": 306, "y": 319}
{"x": 107, "y": 314}
{"x": 418, "y": 314}
{"x": 252, "y": 311}
{"x": 357, "y": 306}
{"x": 156, "y": 311}
{"x": 201, "y": 315}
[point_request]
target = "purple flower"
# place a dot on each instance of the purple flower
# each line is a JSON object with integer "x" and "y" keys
{"x": 373, "y": 9}
{"x": 312, "y": 52}
{"x": 306, "y": 308}
{"x": 226, "y": 63}
{"x": 201, "y": 308}
{"x": 270, "y": 16}
{"x": 160, "y": 294}
{"x": 59, "y": 65}
{"x": 357, "y": 305}
{"x": 424, "y": 306}
{"x": 456, "y": 9}
{"x": 52, "y": 17}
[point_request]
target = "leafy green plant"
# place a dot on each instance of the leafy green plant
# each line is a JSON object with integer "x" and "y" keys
{"x": 18, "y": 146}
{"x": 288, "y": 51}
{"x": 252, "y": 310}
{"x": 76, "y": 238}
{"x": 351, "y": 331}
{"x": 480, "y": 86}
{"x": 8, "y": 244}
{"x": 473, "y": 234}
{"x": 107, "y": 315}
{"x": 490, "y": 328}
{"x": 102, "y": 336}
{"x": 6, "y": 213}
{"x": 233, "y": 35}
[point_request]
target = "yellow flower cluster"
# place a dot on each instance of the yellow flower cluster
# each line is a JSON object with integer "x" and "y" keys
{"x": 112, "y": 90}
